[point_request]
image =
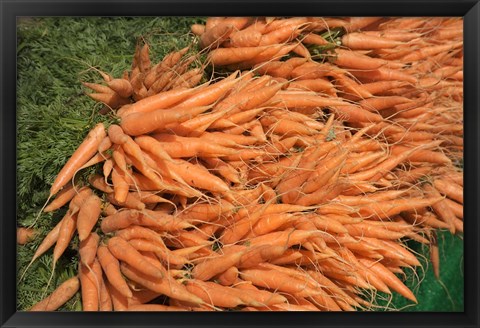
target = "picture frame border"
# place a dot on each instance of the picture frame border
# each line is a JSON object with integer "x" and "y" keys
{"x": 10, "y": 10}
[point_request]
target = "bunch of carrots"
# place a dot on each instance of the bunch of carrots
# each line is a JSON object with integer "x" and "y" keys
{"x": 291, "y": 184}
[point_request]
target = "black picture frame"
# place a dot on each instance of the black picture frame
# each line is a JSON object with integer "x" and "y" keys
{"x": 468, "y": 9}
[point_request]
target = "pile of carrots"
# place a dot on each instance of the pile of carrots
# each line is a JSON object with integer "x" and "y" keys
{"x": 289, "y": 184}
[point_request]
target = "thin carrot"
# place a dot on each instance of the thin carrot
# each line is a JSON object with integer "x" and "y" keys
{"x": 88, "y": 216}
{"x": 62, "y": 197}
{"x": 123, "y": 251}
{"x": 452, "y": 191}
{"x": 25, "y": 235}
{"x": 167, "y": 286}
{"x": 88, "y": 248}
{"x": 389, "y": 278}
{"x": 111, "y": 268}
{"x": 59, "y": 296}
{"x": 83, "y": 153}
{"x": 89, "y": 289}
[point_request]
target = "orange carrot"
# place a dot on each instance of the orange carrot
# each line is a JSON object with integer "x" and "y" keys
{"x": 452, "y": 191}
{"x": 214, "y": 36}
{"x": 389, "y": 278}
{"x": 362, "y": 41}
{"x": 89, "y": 288}
{"x": 67, "y": 230}
{"x": 111, "y": 268}
{"x": 63, "y": 197}
{"x": 123, "y": 251}
{"x": 25, "y": 235}
{"x": 136, "y": 124}
{"x": 83, "y": 153}
{"x": 167, "y": 286}
{"x": 59, "y": 296}
{"x": 88, "y": 248}
{"x": 441, "y": 208}
{"x": 88, "y": 216}
{"x": 121, "y": 86}
{"x": 211, "y": 267}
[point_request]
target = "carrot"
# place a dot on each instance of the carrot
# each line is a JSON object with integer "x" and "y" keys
{"x": 323, "y": 194}
{"x": 224, "y": 169}
{"x": 377, "y": 172}
{"x": 353, "y": 113}
{"x": 228, "y": 56}
{"x": 213, "y": 37}
{"x": 65, "y": 234}
{"x": 324, "y": 171}
{"x": 229, "y": 277}
{"x": 120, "y": 184}
{"x": 260, "y": 254}
{"x": 381, "y": 103}
{"x": 385, "y": 74}
{"x": 456, "y": 208}
{"x": 205, "y": 212}
{"x": 452, "y": 191}
{"x": 62, "y": 198}
{"x": 424, "y": 52}
{"x": 197, "y": 29}
{"x": 161, "y": 100}
{"x": 88, "y": 216}
{"x": 99, "y": 88}
{"x": 105, "y": 298}
{"x": 88, "y": 248}
{"x": 25, "y": 235}
{"x": 355, "y": 60}
{"x": 154, "y": 308}
{"x": 389, "y": 278}
{"x": 132, "y": 201}
{"x": 123, "y": 251}
{"x": 210, "y": 94}
{"x": 283, "y": 34}
{"x": 139, "y": 232}
{"x": 286, "y": 238}
{"x": 382, "y": 87}
{"x": 272, "y": 52}
{"x": 59, "y": 296}
{"x": 177, "y": 146}
{"x": 197, "y": 176}
{"x": 441, "y": 207}
{"x": 276, "y": 280}
{"x": 434, "y": 255}
{"x": 167, "y": 286}
{"x": 89, "y": 289}
{"x": 119, "y": 301}
{"x": 358, "y": 23}
{"x": 160, "y": 250}
{"x": 213, "y": 294}
{"x": 49, "y": 240}
{"x": 118, "y": 220}
{"x": 136, "y": 124}
{"x": 423, "y": 155}
{"x": 111, "y": 268}
{"x": 239, "y": 229}
{"x": 247, "y": 37}
{"x": 121, "y": 86}
{"x": 98, "y": 182}
{"x": 141, "y": 295}
{"x": 211, "y": 267}
{"x": 362, "y": 41}
{"x": 83, "y": 153}
{"x": 385, "y": 209}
